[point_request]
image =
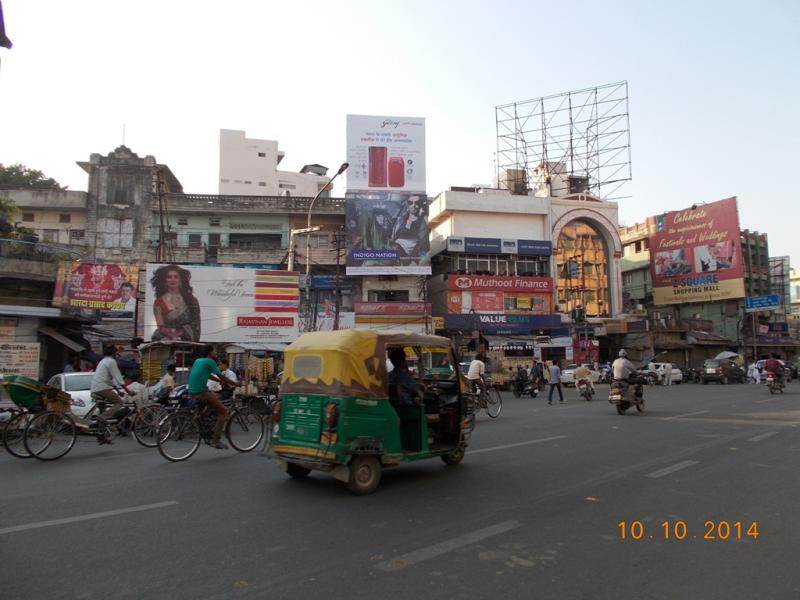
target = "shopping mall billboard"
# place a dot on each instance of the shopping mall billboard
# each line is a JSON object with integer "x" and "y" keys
{"x": 108, "y": 287}
{"x": 220, "y": 304}
{"x": 386, "y": 153}
{"x": 695, "y": 254}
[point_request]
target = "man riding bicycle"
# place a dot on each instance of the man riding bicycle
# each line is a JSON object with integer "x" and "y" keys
{"x": 105, "y": 378}
{"x": 476, "y": 371}
{"x": 204, "y": 369}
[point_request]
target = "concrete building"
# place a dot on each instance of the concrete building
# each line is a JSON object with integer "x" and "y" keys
{"x": 57, "y": 217}
{"x": 249, "y": 167}
{"x": 794, "y": 285}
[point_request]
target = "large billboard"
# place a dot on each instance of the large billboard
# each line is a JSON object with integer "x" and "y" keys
{"x": 107, "y": 287}
{"x": 696, "y": 255}
{"x": 220, "y": 304}
{"x": 387, "y": 233}
{"x": 386, "y": 153}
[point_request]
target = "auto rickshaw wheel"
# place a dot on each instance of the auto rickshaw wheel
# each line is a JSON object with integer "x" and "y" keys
{"x": 365, "y": 474}
{"x": 455, "y": 457}
{"x": 295, "y": 471}
{"x": 621, "y": 408}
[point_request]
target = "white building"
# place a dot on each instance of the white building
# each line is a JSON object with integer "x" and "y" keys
{"x": 249, "y": 167}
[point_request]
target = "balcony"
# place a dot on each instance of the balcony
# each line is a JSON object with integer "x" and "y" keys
{"x": 211, "y": 203}
{"x": 33, "y": 260}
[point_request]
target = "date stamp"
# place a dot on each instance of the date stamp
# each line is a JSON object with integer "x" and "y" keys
{"x": 716, "y": 530}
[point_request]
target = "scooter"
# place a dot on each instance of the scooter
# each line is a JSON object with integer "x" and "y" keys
{"x": 585, "y": 390}
{"x": 625, "y": 394}
{"x": 773, "y": 384}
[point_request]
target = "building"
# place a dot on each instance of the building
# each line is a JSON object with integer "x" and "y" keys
{"x": 794, "y": 284}
{"x": 249, "y": 167}
{"x": 755, "y": 251}
{"x": 56, "y": 217}
{"x": 637, "y": 286}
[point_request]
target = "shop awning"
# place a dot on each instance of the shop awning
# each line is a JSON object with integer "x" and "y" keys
{"x": 708, "y": 338}
{"x": 74, "y": 346}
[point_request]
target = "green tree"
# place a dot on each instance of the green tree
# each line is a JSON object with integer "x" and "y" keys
{"x": 20, "y": 176}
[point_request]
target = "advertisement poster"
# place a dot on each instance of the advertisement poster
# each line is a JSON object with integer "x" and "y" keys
{"x": 695, "y": 254}
{"x": 108, "y": 287}
{"x": 386, "y": 153}
{"x": 20, "y": 358}
{"x": 387, "y": 234}
{"x": 220, "y": 304}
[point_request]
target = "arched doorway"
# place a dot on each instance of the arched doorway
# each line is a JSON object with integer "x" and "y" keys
{"x": 583, "y": 269}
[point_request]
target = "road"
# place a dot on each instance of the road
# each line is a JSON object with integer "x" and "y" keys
{"x": 532, "y": 512}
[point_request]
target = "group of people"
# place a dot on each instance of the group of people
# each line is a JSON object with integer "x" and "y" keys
{"x": 771, "y": 365}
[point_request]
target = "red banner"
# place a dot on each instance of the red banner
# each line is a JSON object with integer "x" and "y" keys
{"x": 392, "y": 308}
{"x": 499, "y": 283}
{"x": 695, "y": 254}
{"x": 487, "y": 301}
{"x": 105, "y": 287}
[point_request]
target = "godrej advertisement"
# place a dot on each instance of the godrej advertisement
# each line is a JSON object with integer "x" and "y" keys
{"x": 105, "y": 287}
{"x": 695, "y": 254}
{"x": 386, "y": 153}
{"x": 220, "y": 304}
{"x": 387, "y": 234}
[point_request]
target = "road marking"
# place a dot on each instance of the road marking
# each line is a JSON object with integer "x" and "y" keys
{"x": 672, "y": 469}
{"x": 417, "y": 556}
{"x": 691, "y": 414}
{"x": 769, "y": 400}
{"x": 90, "y": 516}
{"x": 539, "y": 441}
{"x": 762, "y": 436}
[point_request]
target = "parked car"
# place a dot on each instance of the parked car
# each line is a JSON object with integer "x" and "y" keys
{"x": 657, "y": 377}
{"x": 723, "y": 371}
{"x": 568, "y": 375}
{"x": 77, "y": 385}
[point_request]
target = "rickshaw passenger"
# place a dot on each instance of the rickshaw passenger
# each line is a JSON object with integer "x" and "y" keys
{"x": 406, "y": 397}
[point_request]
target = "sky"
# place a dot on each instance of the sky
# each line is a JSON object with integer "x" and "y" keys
{"x": 713, "y": 87}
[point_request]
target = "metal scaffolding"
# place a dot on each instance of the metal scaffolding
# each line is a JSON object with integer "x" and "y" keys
{"x": 570, "y": 143}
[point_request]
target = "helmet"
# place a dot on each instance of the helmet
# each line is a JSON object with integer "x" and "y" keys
{"x": 622, "y": 353}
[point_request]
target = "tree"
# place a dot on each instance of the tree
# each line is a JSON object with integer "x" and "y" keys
{"x": 20, "y": 176}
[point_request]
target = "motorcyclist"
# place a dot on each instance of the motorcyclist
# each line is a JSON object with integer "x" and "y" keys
{"x": 773, "y": 365}
{"x": 520, "y": 379}
{"x": 622, "y": 368}
{"x": 580, "y": 374}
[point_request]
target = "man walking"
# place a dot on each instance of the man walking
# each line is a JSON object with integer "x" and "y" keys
{"x": 555, "y": 382}
{"x": 668, "y": 374}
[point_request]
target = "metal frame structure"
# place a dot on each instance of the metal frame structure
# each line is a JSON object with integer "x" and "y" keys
{"x": 582, "y": 136}
{"x": 779, "y": 280}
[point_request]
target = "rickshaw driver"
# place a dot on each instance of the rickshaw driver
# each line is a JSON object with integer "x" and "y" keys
{"x": 407, "y": 400}
{"x": 203, "y": 369}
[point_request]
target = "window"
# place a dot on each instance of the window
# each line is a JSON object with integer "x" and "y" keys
{"x": 319, "y": 241}
{"x": 28, "y": 217}
{"x": 248, "y": 182}
{"x": 262, "y": 184}
{"x": 213, "y": 221}
{"x": 262, "y": 155}
{"x": 64, "y": 218}
{"x": 237, "y": 181}
{"x": 50, "y": 235}
{"x": 225, "y": 180}
{"x": 76, "y": 234}
{"x": 183, "y": 221}
{"x": 195, "y": 240}
{"x": 308, "y": 366}
{"x": 287, "y": 186}
{"x": 388, "y": 295}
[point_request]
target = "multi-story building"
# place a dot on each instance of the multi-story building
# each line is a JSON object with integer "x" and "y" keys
{"x": 755, "y": 252}
{"x": 56, "y": 217}
{"x": 794, "y": 285}
{"x": 637, "y": 286}
{"x": 249, "y": 167}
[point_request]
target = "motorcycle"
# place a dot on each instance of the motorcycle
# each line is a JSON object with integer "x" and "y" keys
{"x": 585, "y": 390}
{"x": 625, "y": 394}
{"x": 524, "y": 388}
{"x": 773, "y": 384}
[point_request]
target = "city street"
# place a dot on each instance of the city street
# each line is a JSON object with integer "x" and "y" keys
{"x": 531, "y": 512}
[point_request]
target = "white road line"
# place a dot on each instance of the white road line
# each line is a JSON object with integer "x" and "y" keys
{"x": 672, "y": 469}
{"x": 769, "y": 400}
{"x": 539, "y": 441}
{"x": 691, "y": 414}
{"x": 763, "y": 436}
{"x": 417, "y": 556}
{"x": 90, "y": 516}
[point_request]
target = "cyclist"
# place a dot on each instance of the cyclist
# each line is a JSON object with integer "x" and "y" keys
{"x": 104, "y": 379}
{"x": 475, "y": 373}
{"x": 203, "y": 369}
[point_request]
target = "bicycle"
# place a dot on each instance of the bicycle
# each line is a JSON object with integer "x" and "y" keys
{"x": 14, "y": 430}
{"x": 181, "y": 431}
{"x": 488, "y": 399}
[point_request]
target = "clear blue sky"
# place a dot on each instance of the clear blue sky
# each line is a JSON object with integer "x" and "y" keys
{"x": 713, "y": 86}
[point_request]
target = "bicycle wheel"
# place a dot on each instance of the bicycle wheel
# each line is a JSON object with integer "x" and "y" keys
{"x": 13, "y": 434}
{"x": 145, "y": 425}
{"x": 178, "y": 436}
{"x": 244, "y": 429}
{"x": 50, "y": 435}
{"x": 494, "y": 403}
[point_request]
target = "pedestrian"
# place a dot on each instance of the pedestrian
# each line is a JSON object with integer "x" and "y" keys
{"x": 555, "y": 382}
{"x": 668, "y": 374}
{"x": 756, "y": 374}
{"x": 751, "y": 373}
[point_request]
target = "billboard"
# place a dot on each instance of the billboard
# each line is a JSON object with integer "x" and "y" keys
{"x": 220, "y": 304}
{"x": 695, "y": 254}
{"x": 387, "y": 233}
{"x": 20, "y": 358}
{"x": 386, "y": 153}
{"x": 107, "y": 287}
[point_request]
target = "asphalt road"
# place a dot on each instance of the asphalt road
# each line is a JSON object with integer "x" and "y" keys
{"x": 532, "y": 512}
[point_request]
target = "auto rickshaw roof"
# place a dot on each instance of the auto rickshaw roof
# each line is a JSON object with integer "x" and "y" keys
{"x": 177, "y": 344}
{"x": 343, "y": 340}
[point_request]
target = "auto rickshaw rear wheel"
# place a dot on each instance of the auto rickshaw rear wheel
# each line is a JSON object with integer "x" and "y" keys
{"x": 295, "y": 471}
{"x": 455, "y": 457}
{"x": 365, "y": 474}
{"x": 621, "y": 408}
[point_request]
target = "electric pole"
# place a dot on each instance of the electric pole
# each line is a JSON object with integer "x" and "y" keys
{"x": 339, "y": 247}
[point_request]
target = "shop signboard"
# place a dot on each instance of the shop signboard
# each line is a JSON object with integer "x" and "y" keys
{"x": 477, "y": 245}
{"x": 19, "y": 358}
{"x": 695, "y": 254}
{"x": 759, "y": 303}
{"x": 220, "y": 304}
{"x": 490, "y": 323}
{"x": 502, "y": 283}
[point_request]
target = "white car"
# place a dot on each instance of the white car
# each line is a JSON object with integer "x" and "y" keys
{"x": 676, "y": 377}
{"x": 568, "y": 375}
{"x": 77, "y": 385}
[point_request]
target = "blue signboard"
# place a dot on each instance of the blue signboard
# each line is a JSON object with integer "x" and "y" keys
{"x": 500, "y": 324}
{"x": 756, "y": 303}
{"x": 534, "y": 248}
{"x": 482, "y": 245}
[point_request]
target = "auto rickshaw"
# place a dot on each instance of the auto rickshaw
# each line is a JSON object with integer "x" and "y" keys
{"x": 340, "y": 410}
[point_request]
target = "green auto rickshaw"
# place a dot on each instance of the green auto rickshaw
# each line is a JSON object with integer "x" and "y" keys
{"x": 356, "y": 401}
